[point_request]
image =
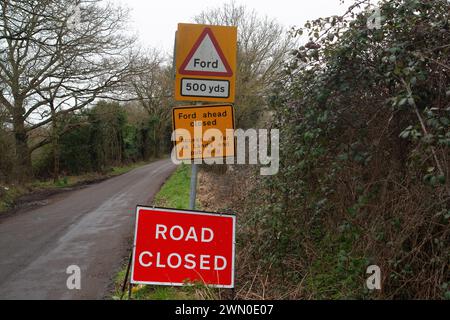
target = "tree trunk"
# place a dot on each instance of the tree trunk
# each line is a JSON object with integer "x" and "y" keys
{"x": 55, "y": 146}
{"x": 144, "y": 147}
{"x": 23, "y": 169}
{"x": 155, "y": 142}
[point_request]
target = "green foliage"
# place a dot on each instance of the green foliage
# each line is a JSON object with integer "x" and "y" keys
{"x": 91, "y": 140}
{"x": 98, "y": 139}
{"x": 8, "y": 196}
{"x": 106, "y": 134}
{"x": 6, "y": 155}
{"x": 364, "y": 157}
{"x": 62, "y": 182}
{"x": 337, "y": 272}
{"x": 75, "y": 146}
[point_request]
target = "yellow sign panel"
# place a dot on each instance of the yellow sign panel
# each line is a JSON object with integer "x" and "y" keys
{"x": 204, "y": 132}
{"x": 205, "y": 63}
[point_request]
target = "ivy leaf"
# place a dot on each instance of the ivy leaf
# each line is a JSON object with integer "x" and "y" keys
{"x": 405, "y": 134}
{"x": 402, "y": 102}
{"x": 445, "y": 121}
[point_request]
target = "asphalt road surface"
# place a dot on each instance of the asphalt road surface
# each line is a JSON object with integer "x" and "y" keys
{"x": 91, "y": 228}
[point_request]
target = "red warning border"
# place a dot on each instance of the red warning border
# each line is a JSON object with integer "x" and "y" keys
{"x": 206, "y": 32}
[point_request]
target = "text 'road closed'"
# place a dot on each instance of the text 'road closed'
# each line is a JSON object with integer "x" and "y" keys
{"x": 175, "y": 247}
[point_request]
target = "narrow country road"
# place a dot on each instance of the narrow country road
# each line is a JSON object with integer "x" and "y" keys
{"x": 90, "y": 228}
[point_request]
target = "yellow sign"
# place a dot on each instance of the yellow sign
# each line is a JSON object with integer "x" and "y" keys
{"x": 203, "y": 132}
{"x": 205, "y": 63}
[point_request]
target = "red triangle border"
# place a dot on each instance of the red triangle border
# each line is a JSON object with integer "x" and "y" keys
{"x": 197, "y": 44}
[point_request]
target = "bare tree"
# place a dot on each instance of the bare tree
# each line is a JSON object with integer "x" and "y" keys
{"x": 262, "y": 49}
{"x": 51, "y": 65}
{"x": 153, "y": 89}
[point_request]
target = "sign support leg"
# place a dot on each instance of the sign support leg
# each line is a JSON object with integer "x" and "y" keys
{"x": 193, "y": 194}
{"x": 126, "y": 275}
{"x": 130, "y": 288}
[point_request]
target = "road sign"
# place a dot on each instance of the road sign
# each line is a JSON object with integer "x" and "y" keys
{"x": 205, "y": 63}
{"x": 200, "y": 88}
{"x": 206, "y": 58}
{"x": 178, "y": 247}
{"x": 204, "y": 132}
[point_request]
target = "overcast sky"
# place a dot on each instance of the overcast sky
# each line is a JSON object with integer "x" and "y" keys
{"x": 155, "y": 21}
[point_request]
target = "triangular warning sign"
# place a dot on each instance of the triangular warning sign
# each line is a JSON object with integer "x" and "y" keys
{"x": 206, "y": 58}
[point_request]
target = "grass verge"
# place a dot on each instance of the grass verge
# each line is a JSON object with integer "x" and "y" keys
{"x": 175, "y": 192}
{"x": 11, "y": 195}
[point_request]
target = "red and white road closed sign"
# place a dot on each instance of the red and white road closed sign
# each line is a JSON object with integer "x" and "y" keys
{"x": 177, "y": 247}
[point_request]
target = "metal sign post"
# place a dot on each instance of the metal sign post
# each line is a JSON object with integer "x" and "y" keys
{"x": 194, "y": 179}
